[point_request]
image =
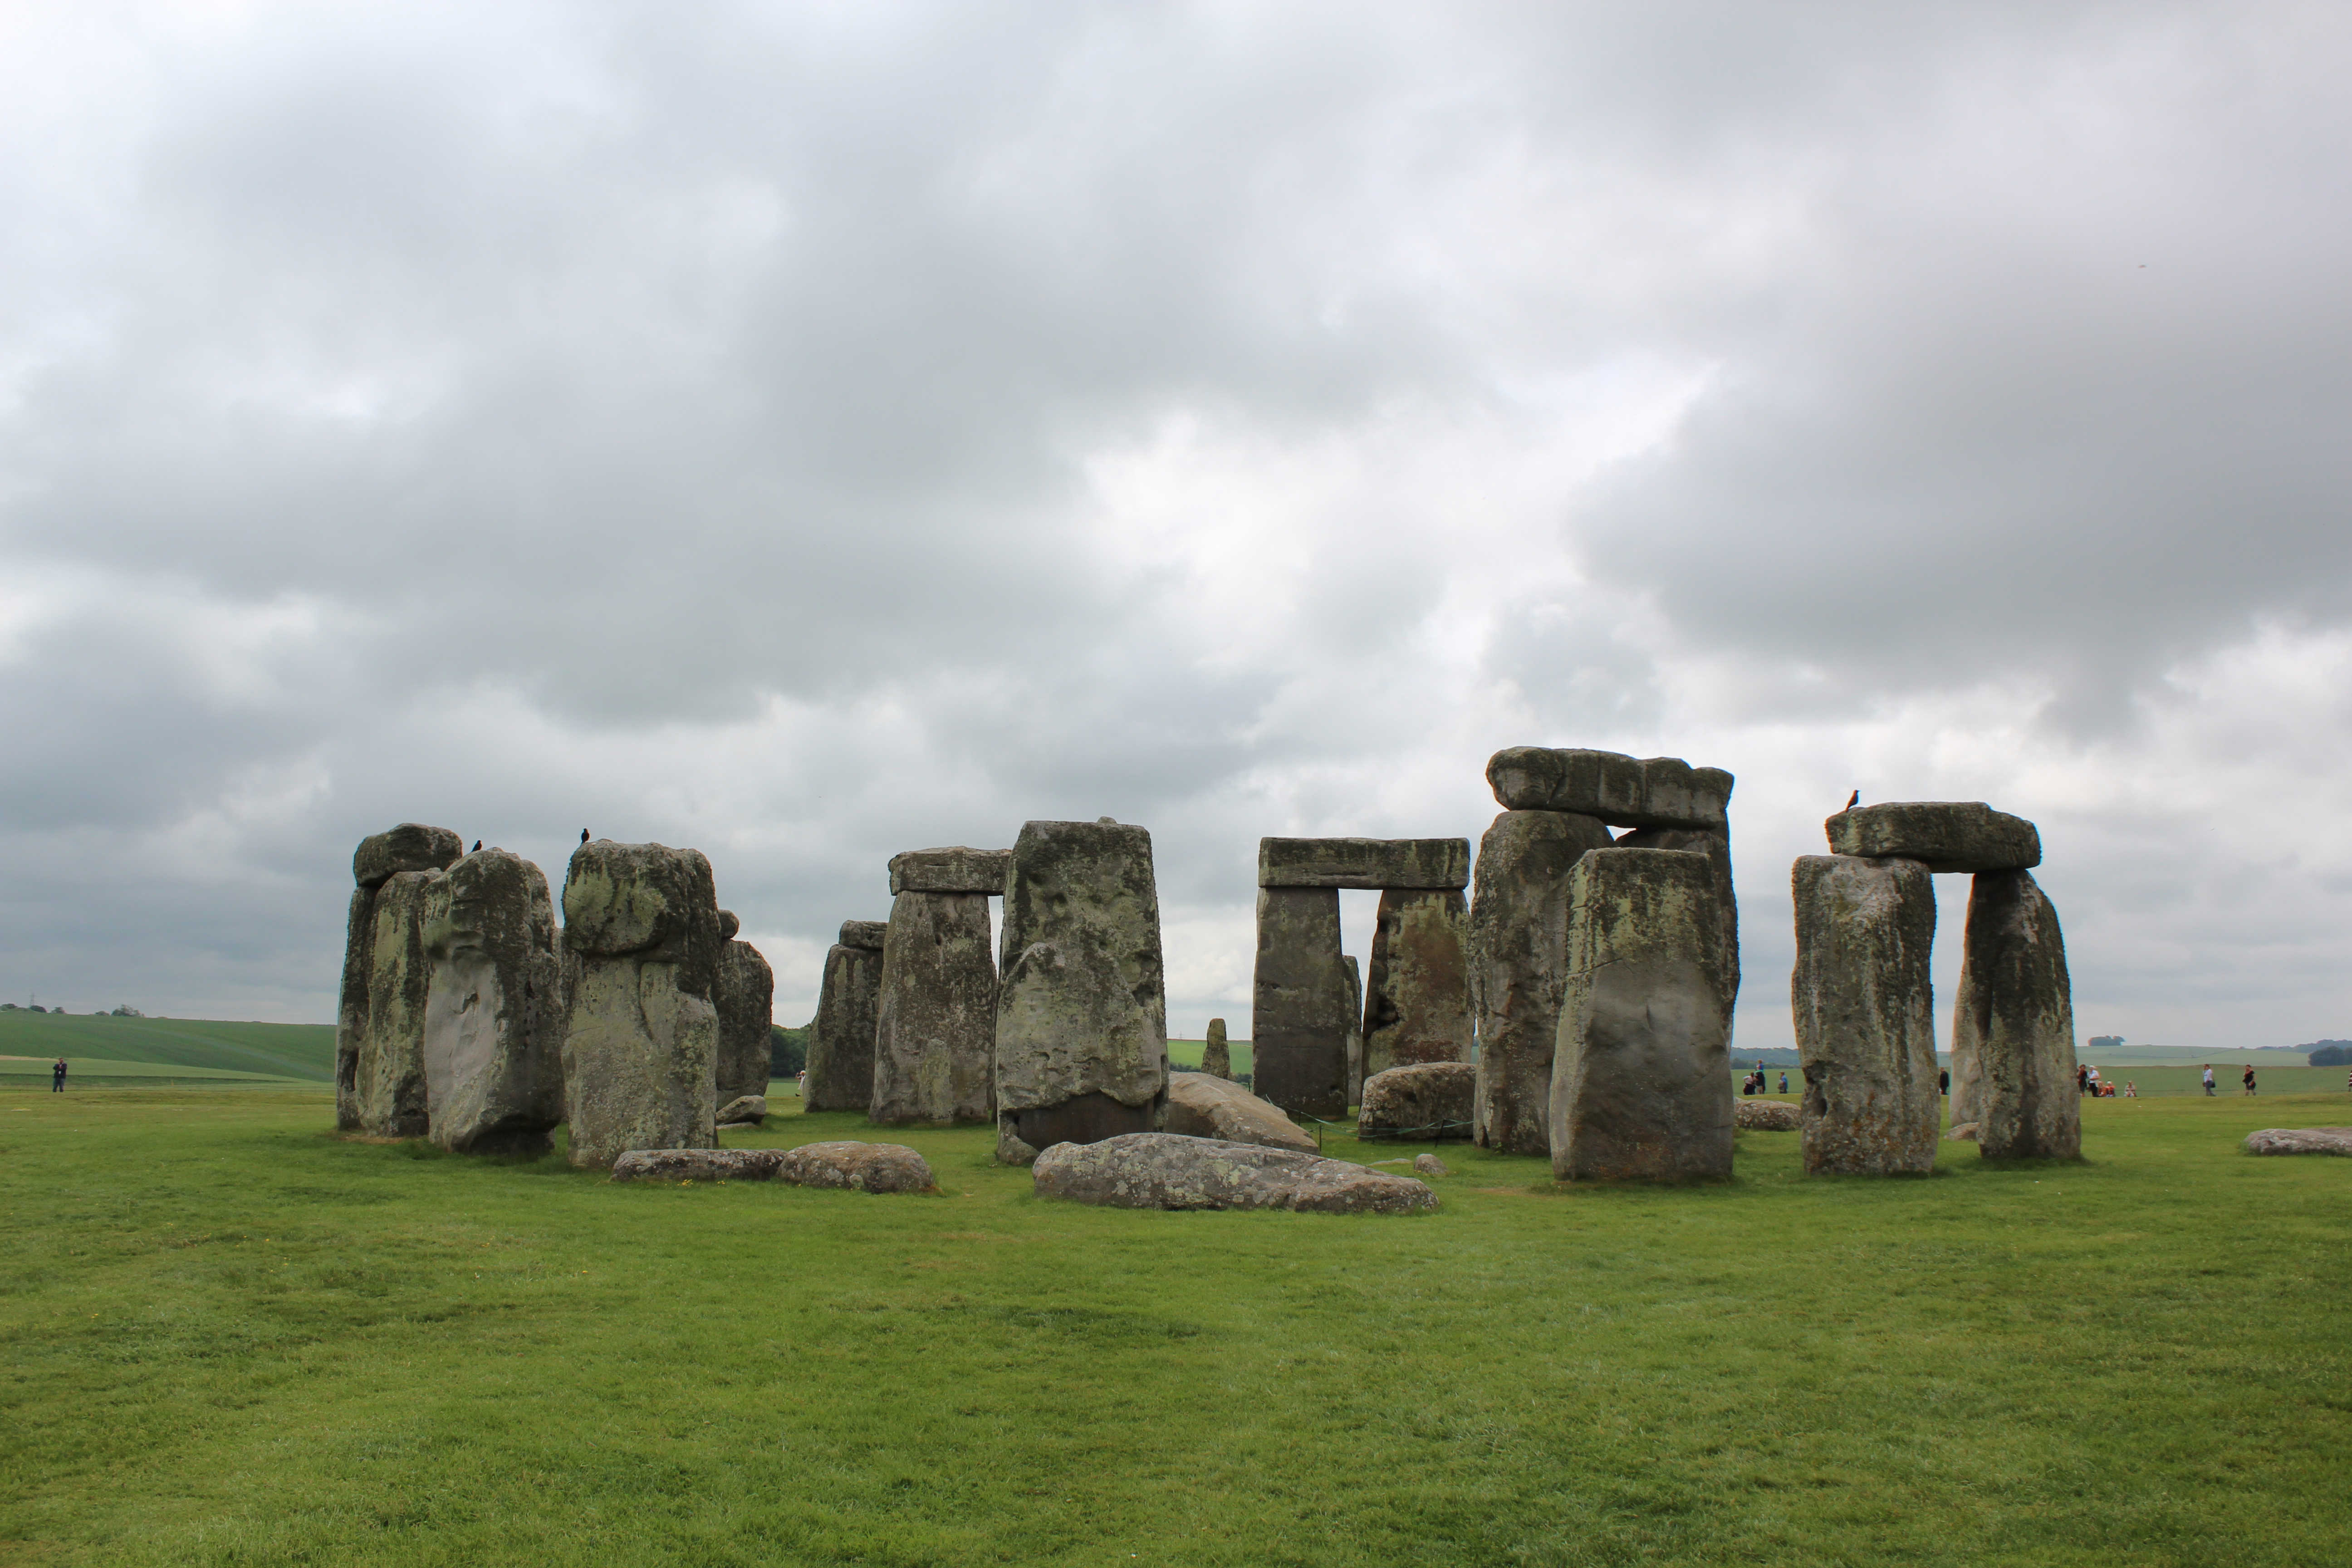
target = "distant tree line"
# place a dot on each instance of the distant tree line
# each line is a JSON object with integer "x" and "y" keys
{"x": 787, "y": 1050}
{"x": 2329, "y": 1053}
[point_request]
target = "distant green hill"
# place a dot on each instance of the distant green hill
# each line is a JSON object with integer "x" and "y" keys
{"x": 278, "y": 1050}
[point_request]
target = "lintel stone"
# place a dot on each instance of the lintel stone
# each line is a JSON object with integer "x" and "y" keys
{"x": 955, "y": 870}
{"x": 1376, "y": 865}
{"x": 1943, "y": 835}
{"x": 1622, "y": 790}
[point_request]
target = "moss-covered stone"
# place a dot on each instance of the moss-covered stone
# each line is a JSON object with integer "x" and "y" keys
{"x": 494, "y": 1014}
{"x": 1518, "y": 938}
{"x": 1864, "y": 1014}
{"x": 2014, "y": 1024}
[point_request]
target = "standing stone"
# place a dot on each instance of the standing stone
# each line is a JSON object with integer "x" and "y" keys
{"x": 641, "y": 960}
{"x": 1082, "y": 1016}
{"x": 841, "y": 1036}
{"x": 411, "y": 847}
{"x": 1300, "y": 1008}
{"x": 1355, "y": 1028}
{"x": 388, "y": 1062}
{"x": 1640, "y": 1087}
{"x": 1418, "y": 1009}
{"x": 935, "y": 1021}
{"x": 1216, "y": 1055}
{"x": 1865, "y": 1014}
{"x": 494, "y": 1010}
{"x": 2013, "y": 1024}
{"x": 1519, "y": 927}
{"x": 745, "y": 996}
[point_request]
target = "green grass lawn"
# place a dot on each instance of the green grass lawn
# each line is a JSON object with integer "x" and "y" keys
{"x": 233, "y": 1339}
{"x": 277, "y": 1050}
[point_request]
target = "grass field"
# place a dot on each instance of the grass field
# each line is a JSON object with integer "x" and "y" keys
{"x": 302, "y": 1051}
{"x": 233, "y": 1339}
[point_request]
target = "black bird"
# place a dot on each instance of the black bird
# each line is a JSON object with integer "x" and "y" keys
{"x": 583, "y": 836}
{"x": 477, "y": 850}
{"x": 1853, "y": 800}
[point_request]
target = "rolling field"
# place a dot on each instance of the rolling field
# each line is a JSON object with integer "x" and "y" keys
{"x": 299, "y": 1051}
{"x": 233, "y": 1339}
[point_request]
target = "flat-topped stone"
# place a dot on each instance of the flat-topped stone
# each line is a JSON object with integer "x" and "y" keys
{"x": 2300, "y": 1141}
{"x": 1169, "y": 1170}
{"x": 1420, "y": 1103}
{"x": 954, "y": 869}
{"x": 864, "y": 935}
{"x": 1942, "y": 835}
{"x": 1622, "y": 790}
{"x": 860, "y": 1168}
{"x": 1368, "y": 864}
{"x": 411, "y": 847}
{"x": 697, "y": 1165}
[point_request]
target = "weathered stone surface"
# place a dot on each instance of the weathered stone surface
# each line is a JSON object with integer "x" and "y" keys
{"x": 2014, "y": 1024}
{"x": 1355, "y": 1047}
{"x": 1082, "y": 1016}
{"x": 1640, "y": 1087}
{"x": 1423, "y": 1102}
{"x": 1943, "y": 835}
{"x": 1168, "y": 1171}
{"x": 935, "y": 1022}
{"x": 411, "y": 847}
{"x": 954, "y": 869}
{"x": 2300, "y": 1141}
{"x": 494, "y": 1008}
{"x": 1518, "y": 938}
{"x": 351, "y": 1009}
{"x": 728, "y": 924}
{"x": 748, "y": 1110}
{"x": 1622, "y": 790}
{"x": 1374, "y": 864}
{"x": 388, "y": 1064}
{"x": 1216, "y": 1055}
{"x": 1430, "y": 1165}
{"x": 1864, "y": 1014}
{"x": 641, "y": 949}
{"x": 1715, "y": 843}
{"x": 864, "y": 1167}
{"x": 841, "y": 1036}
{"x": 867, "y": 935}
{"x": 1417, "y": 1002}
{"x": 1199, "y": 1106}
{"x": 697, "y": 1164}
{"x": 745, "y": 996}
{"x": 1961, "y": 1132}
{"x": 1301, "y": 1008}
{"x": 1767, "y": 1115}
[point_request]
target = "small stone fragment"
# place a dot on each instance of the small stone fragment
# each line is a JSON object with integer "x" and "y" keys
{"x": 1623, "y": 791}
{"x": 1942, "y": 835}
{"x": 2300, "y": 1141}
{"x": 1201, "y": 1106}
{"x": 1375, "y": 864}
{"x": 863, "y": 1167}
{"x": 956, "y": 869}
{"x": 1430, "y": 1165}
{"x": 1424, "y": 1103}
{"x": 744, "y": 1111}
{"x": 1168, "y": 1171}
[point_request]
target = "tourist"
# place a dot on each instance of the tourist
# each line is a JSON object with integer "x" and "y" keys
{"x": 2249, "y": 1080}
{"x": 2208, "y": 1077}
{"x": 57, "y": 1076}
{"x": 1943, "y": 1083}
{"x": 2082, "y": 1080}
{"x": 2131, "y": 1089}
{"x": 2092, "y": 1078}
{"x": 1784, "y": 1083}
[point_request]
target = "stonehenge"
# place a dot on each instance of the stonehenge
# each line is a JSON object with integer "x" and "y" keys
{"x": 1862, "y": 998}
{"x": 641, "y": 954}
{"x": 494, "y": 1014}
{"x": 935, "y": 1018}
{"x": 1081, "y": 1015}
{"x": 1216, "y": 1055}
{"x": 745, "y": 996}
{"x": 1199, "y": 1106}
{"x": 1303, "y": 1006}
{"x": 841, "y": 1036}
{"x": 1355, "y": 1045}
{"x": 1422, "y": 1101}
{"x": 379, "y": 1016}
{"x": 1641, "y": 1086}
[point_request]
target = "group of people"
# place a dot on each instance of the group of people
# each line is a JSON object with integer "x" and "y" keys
{"x": 2248, "y": 1079}
{"x": 2088, "y": 1081}
{"x": 1754, "y": 1083}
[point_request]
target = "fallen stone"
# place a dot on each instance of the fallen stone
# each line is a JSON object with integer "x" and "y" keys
{"x": 1082, "y": 1015}
{"x": 1623, "y": 791}
{"x": 411, "y": 847}
{"x": 1430, "y": 1165}
{"x": 388, "y": 1097}
{"x": 1865, "y": 1014}
{"x": 1168, "y": 1171}
{"x": 1424, "y": 1103}
{"x": 697, "y": 1164}
{"x": 1966, "y": 1132}
{"x": 1942, "y": 835}
{"x": 1377, "y": 864}
{"x": 1216, "y": 1055}
{"x": 641, "y": 949}
{"x": 2014, "y": 1024}
{"x": 935, "y": 1022}
{"x": 1417, "y": 999}
{"x": 866, "y": 935}
{"x": 1519, "y": 935}
{"x": 744, "y": 1111}
{"x": 840, "y": 1065}
{"x": 1301, "y": 1009}
{"x": 864, "y": 1167}
{"x": 1641, "y": 1089}
{"x": 2300, "y": 1141}
{"x": 1767, "y": 1115}
{"x": 951, "y": 871}
{"x": 745, "y": 996}
{"x": 494, "y": 1015}
{"x": 1201, "y": 1106}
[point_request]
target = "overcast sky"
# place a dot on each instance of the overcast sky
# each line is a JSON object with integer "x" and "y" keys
{"x": 811, "y": 431}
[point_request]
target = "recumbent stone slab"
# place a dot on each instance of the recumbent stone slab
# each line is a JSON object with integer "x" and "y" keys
{"x": 860, "y": 1168}
{"x": 1168, "y": 1171}
{"x": 1425, "y": 1104}
{"x": 1417, "y": 997}
{"x": 493, "y": 1009}
{"x": 1082, "y": 1015}
{"x": 697, "y": 1164}
{"x": 955, "y": 870}
{"x": 1518, "y": 927}
{"x": 840, "y": 1065}
{"x": 935, "y": 1023}
{"x": 1640, "y": 1088}
{"x": 2300, "y": 1141}
{"x": 745, "y": 996}
{"x": 1864, "y": 1014}
{"x": 1302, "y": 1006}
{"x": 641, "y": 948}
{"x": 1372, "y": 864}
{"x": 2014, "y": 1024}
{"x": 1201, "y": 1106}
{"x": 1769, "y": 1116}
{"x": 1942, "y": 835}
{"x": 1622, "y": 790}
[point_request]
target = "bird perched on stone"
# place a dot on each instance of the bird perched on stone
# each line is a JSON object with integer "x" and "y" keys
{"x": 1853, "y": 800}
{"x": 477, "y": 850}
{"x": 583, "y": 836}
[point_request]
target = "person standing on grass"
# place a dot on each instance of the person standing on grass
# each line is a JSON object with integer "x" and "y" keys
{"x": 1784, "y": 1083}
{"x": 2082, "y": 1080}
{"x": 2209, "y": 1079}
{"x": 1943, "y": 1083}
{"x": 57, "y": 1076}
{"x": 2250, "y": 1081}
